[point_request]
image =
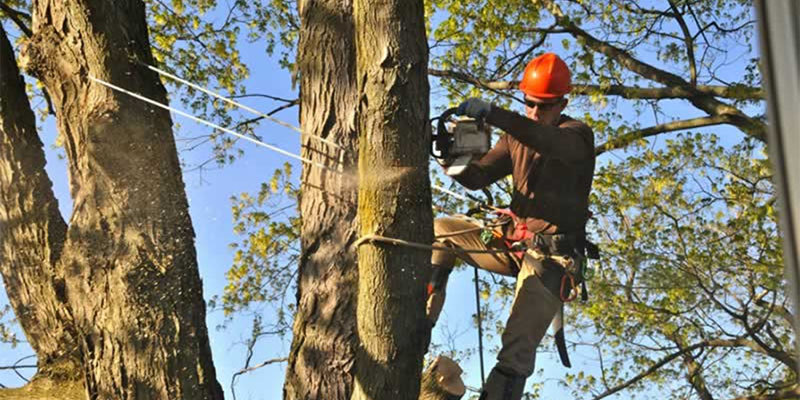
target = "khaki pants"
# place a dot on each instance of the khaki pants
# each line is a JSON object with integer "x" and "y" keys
{"x": 535, "y": 299}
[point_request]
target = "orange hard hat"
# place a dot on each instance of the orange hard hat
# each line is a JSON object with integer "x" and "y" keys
{"x": 546, "y": 76}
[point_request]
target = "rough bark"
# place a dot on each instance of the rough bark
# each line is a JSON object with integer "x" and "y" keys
{"x": 32, "y": 232}
{"x": 442, "y": 381}
{"x": 394, "y": 197}
{"x": 324, "y": 342}
{"x": 130, "y": 280}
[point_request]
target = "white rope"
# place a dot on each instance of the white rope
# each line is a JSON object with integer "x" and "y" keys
{"x": 451, "y": 193}
{"x": 465, "y": 198}
{"x": 237, "y": 104}
{"x": 211, "y": 124}
{"x": 258, "y": 142}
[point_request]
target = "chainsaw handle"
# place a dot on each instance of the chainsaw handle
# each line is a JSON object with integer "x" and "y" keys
{"x": 442, "y": 139}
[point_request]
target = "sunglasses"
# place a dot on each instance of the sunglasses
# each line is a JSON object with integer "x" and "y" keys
{"x": 542, "y": 106}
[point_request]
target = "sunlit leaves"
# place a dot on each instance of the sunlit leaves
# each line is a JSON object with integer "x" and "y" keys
{"x": 690, "y": 240}
{"x": 6, "y": 322}
{"x": 265, "y": 260}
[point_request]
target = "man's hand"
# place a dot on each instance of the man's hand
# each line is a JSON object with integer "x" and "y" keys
{"x": 474, "y": 108}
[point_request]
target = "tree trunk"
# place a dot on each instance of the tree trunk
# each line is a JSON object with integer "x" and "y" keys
{"x": 394, "y": 197}
{"x": 442, "y": 381}
{"x": 324, "y": 342}
{"x": 127, "y": 272}
{"x": 32, "y": 234}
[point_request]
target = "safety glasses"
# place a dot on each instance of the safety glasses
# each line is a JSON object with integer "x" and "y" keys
{"x": 543, "y": 106}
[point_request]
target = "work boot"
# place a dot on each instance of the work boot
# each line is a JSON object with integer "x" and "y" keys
{"x": 502, "y": 385}
{"x": 436, "y": 293}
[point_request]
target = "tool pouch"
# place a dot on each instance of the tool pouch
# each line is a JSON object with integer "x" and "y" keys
{"x": 560, "y": 244}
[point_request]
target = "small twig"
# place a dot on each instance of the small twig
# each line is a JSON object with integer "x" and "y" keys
{"x": 255, "y": 367}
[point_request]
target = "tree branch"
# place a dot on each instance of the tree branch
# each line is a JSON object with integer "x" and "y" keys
{"x": 255, "y": 367}
{"x": 628, "y": 138}
{"x": 702, "y": 101}
{"x": 32, "y": 229}
{"x": 734, "y": 92}
{"x": 687, "y": 41}
{"x": 17, "y": 16}
{"x": 781, "y": 310}
{"x": 791, "y": 393}
{"x": 649, "y": 371}
{"x": 736, "y": 342}
{"x": 694, "y": 370}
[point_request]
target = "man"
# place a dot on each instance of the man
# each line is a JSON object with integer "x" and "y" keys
{"x": 550, "y": 157}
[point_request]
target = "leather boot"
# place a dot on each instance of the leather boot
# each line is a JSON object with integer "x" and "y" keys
{"x": 436, "y": 292}
{"x": 502, "y": 385}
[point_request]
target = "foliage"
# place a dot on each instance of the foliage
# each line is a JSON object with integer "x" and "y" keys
{"x": 7, "y": 335}
{"x": 264, "y": 263}
{"x": 693, "y": 268}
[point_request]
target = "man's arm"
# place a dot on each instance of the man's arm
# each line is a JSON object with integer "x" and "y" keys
{"x": 570, "y": 142}
{"x": 492, "y": 166}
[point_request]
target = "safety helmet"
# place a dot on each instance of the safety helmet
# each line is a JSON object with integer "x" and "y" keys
{"x": 546, "y": 76}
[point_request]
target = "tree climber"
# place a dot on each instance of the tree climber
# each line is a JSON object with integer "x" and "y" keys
{"x": 551, "y": 158}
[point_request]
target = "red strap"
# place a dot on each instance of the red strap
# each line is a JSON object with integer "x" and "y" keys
{"x": 519, "y": 233}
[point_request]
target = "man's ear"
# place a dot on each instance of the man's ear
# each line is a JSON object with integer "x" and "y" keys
{"x": 564, "y": 103}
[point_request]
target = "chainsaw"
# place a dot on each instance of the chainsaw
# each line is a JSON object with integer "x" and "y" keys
{"x": 458, "y": 140}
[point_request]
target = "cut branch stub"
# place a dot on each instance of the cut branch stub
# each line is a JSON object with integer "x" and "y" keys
{"x": 442, "y": 381}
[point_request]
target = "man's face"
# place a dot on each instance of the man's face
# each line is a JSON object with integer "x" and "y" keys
{"x": 544, "y": 111}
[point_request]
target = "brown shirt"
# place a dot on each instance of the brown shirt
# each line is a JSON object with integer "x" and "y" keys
{"x": 552, "y": 168}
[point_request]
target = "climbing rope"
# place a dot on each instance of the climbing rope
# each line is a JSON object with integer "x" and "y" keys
{"x": 233, "y": 102}
{"x": 423, "y": 246}
{"x": 211, "y": 124}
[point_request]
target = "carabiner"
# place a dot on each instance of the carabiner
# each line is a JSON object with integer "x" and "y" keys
{"x": 571, "y": 293}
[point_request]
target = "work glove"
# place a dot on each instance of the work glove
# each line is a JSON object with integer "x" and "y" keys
{"x": 474, "y": 108}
